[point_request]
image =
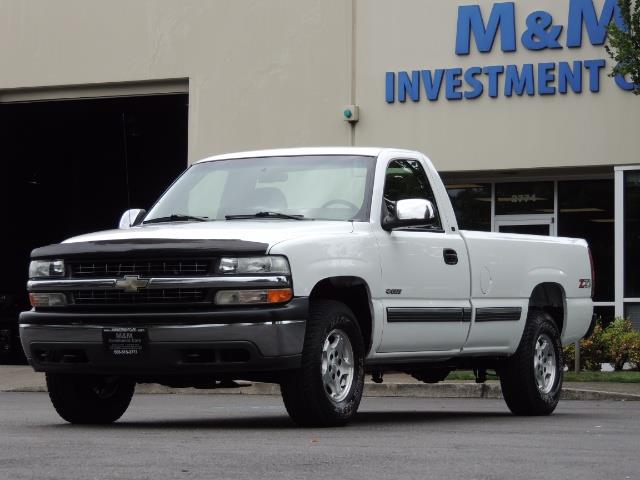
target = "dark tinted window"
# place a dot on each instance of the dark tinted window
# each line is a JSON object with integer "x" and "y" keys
{"x": 605, "y": 314}
{"x": 406, "y": 179}
{"x": 632, "y": 234}
{"x": 472, "y": 205}
{"x": 585, "y": 210}
{"x": 632, "y": 312}
{"x": 524, "y": 198}
{"x": 534, "y": 229}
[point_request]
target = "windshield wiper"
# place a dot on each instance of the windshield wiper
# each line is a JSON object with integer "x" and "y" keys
{"x": 264, "y": 215}
{"x": 177, "y": 217}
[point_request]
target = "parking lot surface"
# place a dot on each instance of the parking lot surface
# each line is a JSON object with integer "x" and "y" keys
{"x": 250, "y": 436}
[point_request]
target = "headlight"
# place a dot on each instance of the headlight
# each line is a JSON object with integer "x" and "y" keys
{"x": 255, "y": 265}
{"x": 46, "y": 268}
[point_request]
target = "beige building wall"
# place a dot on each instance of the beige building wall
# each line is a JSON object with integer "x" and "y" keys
{"x": 260, "y": 73}
{"x": 276, "y": 73}
{"x": 485, "y": 133}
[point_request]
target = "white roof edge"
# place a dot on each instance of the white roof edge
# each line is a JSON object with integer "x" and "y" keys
{"x": 290, "y": 152}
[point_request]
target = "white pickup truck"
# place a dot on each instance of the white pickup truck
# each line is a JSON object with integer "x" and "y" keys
{"x": 306, "y": 268}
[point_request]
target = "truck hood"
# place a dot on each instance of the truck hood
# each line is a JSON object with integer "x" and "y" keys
{"x": 265, "y": 231}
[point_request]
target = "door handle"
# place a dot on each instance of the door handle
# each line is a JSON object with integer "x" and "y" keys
{"x": 450, "y": 256}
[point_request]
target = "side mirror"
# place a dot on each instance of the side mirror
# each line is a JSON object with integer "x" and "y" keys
{"x": 409, "y": 212}
{"x": 131, "y": 217}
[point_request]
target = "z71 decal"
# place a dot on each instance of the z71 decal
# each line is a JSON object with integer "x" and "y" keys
{"x": 393, "y": 291}
{"x": 584, "y": 283}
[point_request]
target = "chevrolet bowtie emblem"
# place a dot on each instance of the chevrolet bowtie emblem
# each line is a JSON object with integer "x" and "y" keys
{"x": 131, "y": 283}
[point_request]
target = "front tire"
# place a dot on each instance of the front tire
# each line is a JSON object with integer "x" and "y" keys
{"x": 89, "y": 399}
{"x": 327, "y": 389}
{"x": 531, "y": 378}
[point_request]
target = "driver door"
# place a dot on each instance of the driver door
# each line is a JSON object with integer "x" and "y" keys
{"x": 425, "y": 273}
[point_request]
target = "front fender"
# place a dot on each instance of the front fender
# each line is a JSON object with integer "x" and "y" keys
{"x": 315, "y": 259}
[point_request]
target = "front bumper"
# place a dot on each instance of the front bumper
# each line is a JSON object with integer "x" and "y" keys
{"x": 197, "y": 342}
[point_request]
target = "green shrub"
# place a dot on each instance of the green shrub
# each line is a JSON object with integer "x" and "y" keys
{"x": 593, "y": 351}
{"x": 623, "y": 343}
{"x": 570, "y": 357}
{"x": 634, "y": 358}
{"x": 616, "y": 344}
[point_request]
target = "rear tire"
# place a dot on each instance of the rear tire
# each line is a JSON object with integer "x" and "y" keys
{"x": 531, "y": 378}
{"x": 327, "y": 389}
{"x": 89, "y": 399}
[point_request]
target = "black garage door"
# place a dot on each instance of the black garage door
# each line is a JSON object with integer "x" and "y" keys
{"x": 73, "y": 166}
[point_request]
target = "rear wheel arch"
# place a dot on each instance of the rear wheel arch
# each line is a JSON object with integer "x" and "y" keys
{"x": 550, "y": 298}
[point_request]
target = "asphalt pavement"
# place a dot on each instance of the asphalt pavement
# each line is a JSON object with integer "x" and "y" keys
{"x": 250, "y": 437}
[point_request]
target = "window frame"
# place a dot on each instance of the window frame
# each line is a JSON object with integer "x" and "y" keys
{"x": 438, "y": 228}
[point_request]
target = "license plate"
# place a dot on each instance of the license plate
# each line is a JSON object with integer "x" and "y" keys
{"x": 124, "y": 341}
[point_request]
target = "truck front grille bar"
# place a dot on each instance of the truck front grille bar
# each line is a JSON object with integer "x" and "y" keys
{"x": 63, "y": 285}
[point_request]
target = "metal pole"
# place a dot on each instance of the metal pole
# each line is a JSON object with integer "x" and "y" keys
{"x": 577, "y": 356}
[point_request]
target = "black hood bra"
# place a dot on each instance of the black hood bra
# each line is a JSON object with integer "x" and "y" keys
{"x": 149, "y": 248}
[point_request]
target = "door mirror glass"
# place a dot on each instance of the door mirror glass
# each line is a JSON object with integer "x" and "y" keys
{"x": 131, "y": 217}
{"x": 410, "y": 212}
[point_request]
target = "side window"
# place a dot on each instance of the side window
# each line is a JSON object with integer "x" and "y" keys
{"x": 407, "y": 179}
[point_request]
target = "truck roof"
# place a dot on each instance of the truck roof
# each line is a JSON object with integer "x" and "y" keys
{"x": 290, "y": 152}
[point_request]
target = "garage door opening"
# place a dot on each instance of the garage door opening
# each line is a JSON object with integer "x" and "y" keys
{"x": 72, "y": 167}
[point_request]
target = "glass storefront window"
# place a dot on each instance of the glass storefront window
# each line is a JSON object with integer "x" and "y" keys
{"x": 605, "y": 314}
{"x": 632, "y": 312}
{"x": 632, "y": 233}
{"x": 524, "y": 198}
{"x": 541, "y": 229}
{"x": 472, "y": 205}
{"x": 586, "y": 210}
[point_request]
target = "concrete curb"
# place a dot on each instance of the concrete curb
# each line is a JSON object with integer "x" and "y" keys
{"x": 576, "y": 394}
{"x": 418, "y": 390}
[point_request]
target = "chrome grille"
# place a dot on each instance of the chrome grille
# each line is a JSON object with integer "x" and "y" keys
{"x": 142, "y": 297}
{"x": 143, "y": 268}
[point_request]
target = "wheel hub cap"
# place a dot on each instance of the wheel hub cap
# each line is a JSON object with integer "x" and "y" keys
{"x": 337, "y": 365}
{"x": 545, "y": 363}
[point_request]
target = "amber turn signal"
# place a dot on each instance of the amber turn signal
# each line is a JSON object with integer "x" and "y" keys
{"x": 279, "y": 295}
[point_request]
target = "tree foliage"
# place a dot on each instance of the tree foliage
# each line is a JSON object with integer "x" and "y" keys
{"x": 623, "y": 44}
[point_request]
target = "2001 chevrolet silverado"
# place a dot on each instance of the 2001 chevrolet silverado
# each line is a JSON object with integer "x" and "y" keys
{"x": 302, "y": 267}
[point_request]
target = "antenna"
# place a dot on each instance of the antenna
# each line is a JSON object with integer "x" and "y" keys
{"x": 126, "y": 161}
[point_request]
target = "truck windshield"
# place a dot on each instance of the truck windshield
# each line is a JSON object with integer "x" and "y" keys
{"x": 322, "y": 187}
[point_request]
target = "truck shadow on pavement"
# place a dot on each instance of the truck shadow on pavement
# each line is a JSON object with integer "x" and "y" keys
{"x": 363, "y": 419}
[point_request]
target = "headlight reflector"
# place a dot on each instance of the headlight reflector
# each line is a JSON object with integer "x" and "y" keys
{"x": 46, "y": 268}
{"x": 246, "y": 297}
{"x": 254, "y": 265}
